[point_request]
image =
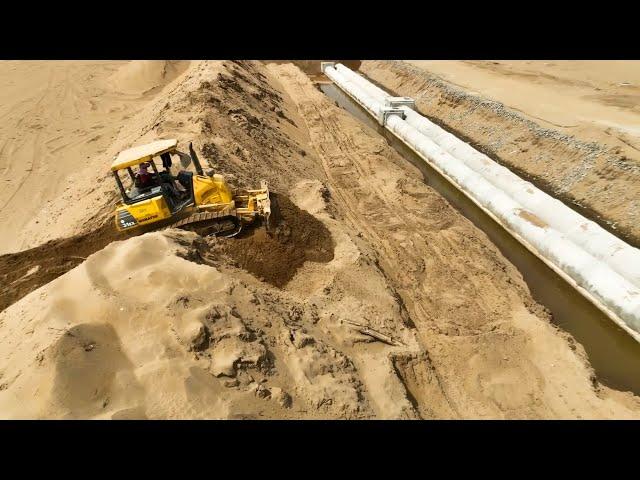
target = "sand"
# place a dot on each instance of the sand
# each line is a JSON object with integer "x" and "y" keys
{"x": 358, "y": 306}
{"x": 572, "y": 95}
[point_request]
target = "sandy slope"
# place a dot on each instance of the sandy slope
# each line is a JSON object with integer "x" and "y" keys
{"x": 384, "y": 312}
{"x": 595, "y": 100}
{"x": 57, "y": 118}
{"x": 144, "y": 365}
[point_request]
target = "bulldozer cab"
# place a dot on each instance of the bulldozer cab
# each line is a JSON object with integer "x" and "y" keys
{"x": 152, "y": 163}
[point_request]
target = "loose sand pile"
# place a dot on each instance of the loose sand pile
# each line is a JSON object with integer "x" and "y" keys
{"x": 145, "y": 329}
{"x": 294, "y": 238}
{"x": 358, "y": 305}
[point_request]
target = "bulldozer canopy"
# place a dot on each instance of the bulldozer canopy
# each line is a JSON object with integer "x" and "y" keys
{"x": 142, "y": 153}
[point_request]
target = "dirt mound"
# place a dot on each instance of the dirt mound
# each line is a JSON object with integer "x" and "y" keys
{"x": 276, "y": 256}
{"x": 298, "y": 237}
{"x": 23, "y": 272}
{"x": 141, "y": 76}
{"x": 250, "y": 131}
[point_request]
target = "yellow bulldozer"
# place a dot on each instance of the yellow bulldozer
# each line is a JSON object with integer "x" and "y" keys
{"x": 153, "y": 198}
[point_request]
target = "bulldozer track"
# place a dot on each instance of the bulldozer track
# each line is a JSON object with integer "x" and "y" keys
{"x": 210, "y": 223}
{"x": 202, "y": 216}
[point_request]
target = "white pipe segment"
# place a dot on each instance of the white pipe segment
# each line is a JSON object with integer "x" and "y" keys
{"x": 603, "y": 245}
{"x": 373, "y": 90}
{"x": 602, "y": 267}
{"x": 348, "y": 84}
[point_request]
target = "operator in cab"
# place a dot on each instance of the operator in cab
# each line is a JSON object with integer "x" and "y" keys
{"x": 144, "y": 178}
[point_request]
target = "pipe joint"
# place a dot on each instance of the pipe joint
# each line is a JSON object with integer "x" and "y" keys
{"x": 386, "y": 112}
{"x": 397, "y": 102}
{"x": 325, "y": 65}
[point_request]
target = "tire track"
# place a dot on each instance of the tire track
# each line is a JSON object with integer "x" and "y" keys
{"x": 344, "y": 162}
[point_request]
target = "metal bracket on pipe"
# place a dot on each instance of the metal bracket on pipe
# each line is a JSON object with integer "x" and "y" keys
{"x": 398, "y": 102}
{"x": 386, "y": 112}
{"x": 325, "y": 65}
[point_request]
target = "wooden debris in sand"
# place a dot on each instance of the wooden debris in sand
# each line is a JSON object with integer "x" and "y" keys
{"x": 364, "y": 329}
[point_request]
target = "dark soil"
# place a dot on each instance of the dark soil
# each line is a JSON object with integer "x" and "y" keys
{"x": 53, "y": 258}
{"x": 295, "y": 237}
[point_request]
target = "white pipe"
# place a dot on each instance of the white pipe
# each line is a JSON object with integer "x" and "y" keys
{"x": 599, "y": 265}
{"x": 348, "y": 84}
{"x": 373, "y": 90}
{"x": 603, "y": 245}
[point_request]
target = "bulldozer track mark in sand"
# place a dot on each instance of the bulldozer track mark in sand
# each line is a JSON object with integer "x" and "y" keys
{"x": 329, "y": 140}
{"x": 47, "y": 121}
{"x": 34, "y": 157}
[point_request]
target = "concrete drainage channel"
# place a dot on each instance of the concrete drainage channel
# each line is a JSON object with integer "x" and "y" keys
{"x": 612, "y": 346}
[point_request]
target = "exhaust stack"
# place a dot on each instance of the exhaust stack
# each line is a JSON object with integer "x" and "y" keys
{"x": 196, "y": 160}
